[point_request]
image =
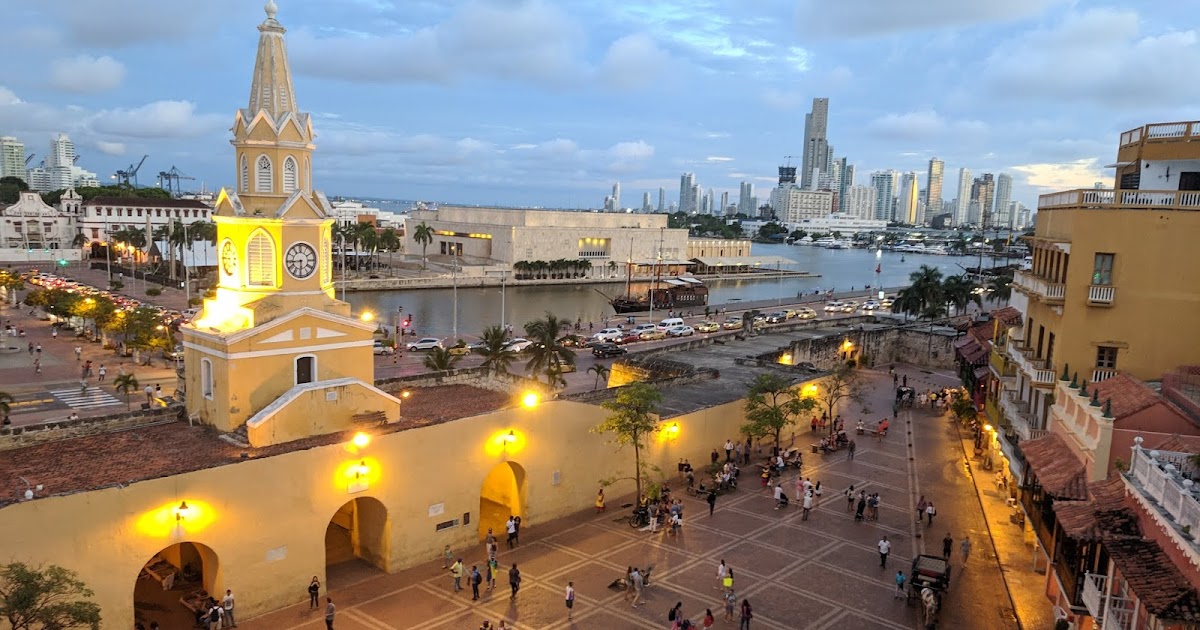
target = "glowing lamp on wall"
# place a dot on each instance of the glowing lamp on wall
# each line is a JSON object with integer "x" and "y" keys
{"x": 182, "y": 511}
{"x": 176, "y": 519}
{"x": 361, "y": 440}
{"x": 809, "y": 391}
{"x": 358, "y": 475}
{"x": 510, "y": 438}
{"x": 503, "y": 443}
{"x": 671, "y": 431}
{"x": 530, "y": 400}
{"x": 847, "y": 346}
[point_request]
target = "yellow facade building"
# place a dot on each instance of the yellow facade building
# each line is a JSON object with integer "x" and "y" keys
{"x": 1111, "y": 287}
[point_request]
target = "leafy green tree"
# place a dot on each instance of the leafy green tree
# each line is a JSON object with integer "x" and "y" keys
{"x": 1001, "y": 287}
{"x": 631, "y": 421}
{"x": 843, "y": 384}
{"x": 548, "y": 354}
{"x": 963, "y": 408}
{"x": 45, "y": 598}
{"x": 6, "y": 401}
{"x": 496, "y": 354}
{"x": 389, "y": 241}
{"x": 601, "y": 371}
{"x": 126, "y": 384}
{"x": 770, "y": 230}
{"x": 772, "y": 405}
{"x": 11, "y": 188}
{"x": 423, "y": 236}
{"x": 960, "y": 291}
{"x": 440, "y": 360}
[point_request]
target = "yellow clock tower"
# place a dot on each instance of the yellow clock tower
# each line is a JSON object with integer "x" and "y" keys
{"x": 274, "y": 349}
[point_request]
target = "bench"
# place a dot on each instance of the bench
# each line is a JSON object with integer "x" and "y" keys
{"x": 378, "y": 417}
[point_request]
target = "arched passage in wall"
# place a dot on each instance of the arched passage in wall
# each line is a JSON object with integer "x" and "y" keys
{"x": 502, "y": 495}
{"x": 174, "y": 585}
{"x": 356, "y": 542}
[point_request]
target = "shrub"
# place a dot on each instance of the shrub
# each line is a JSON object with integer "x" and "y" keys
{"x": 195, "y": 301}
{"x": 116, "y": 285}
{"x": 153, "y": 291}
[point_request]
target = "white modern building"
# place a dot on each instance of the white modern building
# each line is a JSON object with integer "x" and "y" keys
{"x": 859, "y": 202}
{"x": 884, "y": 183}
{"x": 963, "y": 207}
{"x": 59, "y": 171}
{"x": 816, "y": 143}
{"x": 1004, "y": 218}
{"x": 351, "y": 212}
{"x": 933, "y": 188}
{"x": 103, "y": 215}
{"x": 793, "y": 204}
{"x": 846, "y": 224}
{"x": 12, "y": 158}
{"x": 32, "y": 231}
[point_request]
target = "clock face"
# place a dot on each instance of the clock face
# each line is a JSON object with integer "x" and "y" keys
{"x": 300, "y": 260}
{"x": 229, "y": 258}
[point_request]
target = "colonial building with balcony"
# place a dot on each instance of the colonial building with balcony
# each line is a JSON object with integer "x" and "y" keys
{"x": 32, "y": 231}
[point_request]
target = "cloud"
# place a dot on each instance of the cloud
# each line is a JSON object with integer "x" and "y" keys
{"x": 1077, "y": 174}
{"x": 923, "y": 125}
{"x": 123, "y": 23}
{"x": 718, "y": 158}
{"x": 871, "y": 18}
{"x": 628, "y": 157}
{"x": 86, "y": 74}
{"x": 110, "y": 148}
{"x": 527, "y": 40}
{"x": 1100, "y": 56}
{"x": 160, "y": 119}
{"x": 783, "y": 100}
{"x": 634, "y": 62}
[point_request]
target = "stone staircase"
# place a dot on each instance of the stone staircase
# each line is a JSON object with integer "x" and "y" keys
{"x": 237, "y": 437}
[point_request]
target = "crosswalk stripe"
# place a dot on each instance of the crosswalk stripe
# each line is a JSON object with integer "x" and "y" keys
{"x": 93, "y": 398}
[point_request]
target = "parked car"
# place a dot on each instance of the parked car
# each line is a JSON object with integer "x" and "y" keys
{"x": 732, "y": 323}
{"x": 575, "y": 341}
{"x": 519, "y": 344}
{"x": 707, "y": 327}
{"x": 653, "y": 334}
{"x": 681, "y": 331}
{"x": 425, "y": 343}
{"x": 477, "y": 346}
{"x": 606, "y": 350}
{"x": 380, "y": 349}
{"x": 609, "y": 335}
{"x": 777, "y": 317}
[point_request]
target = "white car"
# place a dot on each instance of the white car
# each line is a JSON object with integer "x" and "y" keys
{"x": 641, "y": 328}
{"x": 609, "y": 335}
{"x": 380, "y": 349}
{"x": 870, "y": 305}
{"x": 681, "y": 331}
{"x": 519, "y": 344}
{"x": 833, "y": 307}
{"x": 425, "y": 343}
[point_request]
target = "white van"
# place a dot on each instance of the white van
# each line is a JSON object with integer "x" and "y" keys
{"x": 670, "y": 322}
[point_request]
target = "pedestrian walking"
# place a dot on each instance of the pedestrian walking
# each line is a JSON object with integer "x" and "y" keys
{"x": 930, "y": 512}
{"x": 38, "y": 349}
{"x": 861, "y": 507}
{"x": 476, "y": 580}
{"x": 712, "y": 501}
{"x": 899, "y": 585}
{"x": 78, "y": 353}
{"x": 570, "y": 599}
{"x": 849, "y": 498}
{"x": 728, "y": 450}
{"x": 746, "y": 453}
{"x": 709, "y": 620}
{"x": 727, "y": 581}
{"x": 721, "y": 571}
{"x": 850, "y": 450}
{"x": 807, "y": 505}
{"x": 635, "y": 584}
{"x": 517, "y": 531}
{"x": 54, "y": 332}
{"x": 514, "y": 580}
{"x": 921, "y": 505}
{"x": 149, "y": 391}
{"x": 600, "y": 500}
{"x": 510, "y": 526}
{"x": 330, "y": 612}
{"x": 676, "y": 614}
{"x": 456, "y": 572}
{"x": 947, "y": 545}
{"x": 447, "y": 557}
{"x": 227, "y": 606}
{"x": 101, "y": 372}
{"x": 965, "y": 548}
{"x": 747, "y": 615}
{"x": 885, "y": 548}
{"x": 314, "y": 592}
{"x": 215, "y": 613}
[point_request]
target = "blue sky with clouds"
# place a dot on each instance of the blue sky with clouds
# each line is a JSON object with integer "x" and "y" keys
{"x": 533, "y": 102}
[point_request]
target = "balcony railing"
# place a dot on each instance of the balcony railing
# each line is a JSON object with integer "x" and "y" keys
{"x": 1039, "y": 371}
{"x": 1101, "y": 294}
{"x": 1161, "y": 132}
{"x": 1038, "y": 433}
{"x": 1099, "y": 375}
{"x": 1102, "y": 199}
{"x": 1094, "y": 587}
{"x": 1161, "y": 480}
{"x": 1046, "y": 291}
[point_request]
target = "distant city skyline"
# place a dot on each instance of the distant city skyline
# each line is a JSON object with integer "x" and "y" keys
{"x": 528, "y": 103}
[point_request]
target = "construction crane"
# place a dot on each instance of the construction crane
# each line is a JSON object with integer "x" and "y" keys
{"x": 170, "y": 180}
{"x": 789, "y": 159}
{"x": 128, "y": 176}
{"x": 29, "y": 158}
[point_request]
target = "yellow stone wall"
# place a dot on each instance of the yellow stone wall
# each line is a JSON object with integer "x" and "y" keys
{"x": 265, "y": 519}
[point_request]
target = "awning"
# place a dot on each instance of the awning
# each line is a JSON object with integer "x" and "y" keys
{"x": 1118, "y": 165}
{"x": 649, "y": 263}
{"x": 1058, "y": 470}
{"x": 691, "y": 280}
{"x": 982, "y": 372}
{"x": 677, "y": 283}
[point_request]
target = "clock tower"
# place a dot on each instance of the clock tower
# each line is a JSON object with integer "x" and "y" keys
{"x": 274, "y": 330}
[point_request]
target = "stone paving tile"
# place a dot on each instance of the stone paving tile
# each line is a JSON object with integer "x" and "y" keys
{"x": 417, "y": 603}
{"x": 865, "y": 563}
{"x": 736, "y": 523}
{"x": 760, "y": 559}
{"x": 661, "y": 556}
{"x": 701, "y": 578}
{"x": 591, "y": 539}
{"x": 538, "y": 606}
{"x": 866, "y": 596}
{"x": 788, "y": 608}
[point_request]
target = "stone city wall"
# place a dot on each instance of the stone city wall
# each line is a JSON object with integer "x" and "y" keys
{"x": 29, "y": 435}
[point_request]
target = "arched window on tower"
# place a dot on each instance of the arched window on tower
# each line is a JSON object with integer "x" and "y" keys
{"x": 245, "y": 175}
{"x": 260, "y": 260}
{"x": 307, "y": 174}
{"x": 289, "y": 176}
{"x": 264, "y": 181}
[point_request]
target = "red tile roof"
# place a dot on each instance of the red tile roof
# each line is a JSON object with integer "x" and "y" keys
{"x": 1158, "y": 583}
{"x": 97, "y": 461}
{"x": 1009, "y": 315}
{"x": 1128, "y": 394}
{"x": 1058, "y": 470}
{"x": 1103, "y": 513}
{"x": 146, "y": 202}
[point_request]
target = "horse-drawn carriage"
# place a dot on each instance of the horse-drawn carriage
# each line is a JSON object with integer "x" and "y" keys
{"x": 929, "y": 579}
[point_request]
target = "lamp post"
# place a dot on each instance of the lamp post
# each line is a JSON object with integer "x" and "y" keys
{"x": 503, "y": 279}
{"x": 454, "y": 271}
{"x": 342, "y": 254}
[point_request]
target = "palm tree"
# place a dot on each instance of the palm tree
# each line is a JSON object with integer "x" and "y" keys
{"x": 369, "y": 239}
{"x": 496, "y": 354}
{"x": 907, "y": 302}
{"x": 521, "y": 268}
{"x": 6, "y": 400}
{"x": 389, "y": 241}
{"x": 440, "y": 360}
{"x": 960, "y": 292}
{"x": 583, "y": 266}
{"x": 125, "y": 384}
{"x": 547, "y": 353}
{"x": 612, "y": 267}
{"x": 423, "y": 235}
{"x": 1001, "y": 287}
{"x": 600, "y": 371}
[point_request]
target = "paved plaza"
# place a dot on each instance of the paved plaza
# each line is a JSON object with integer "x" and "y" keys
{"x": 820, "y": 573}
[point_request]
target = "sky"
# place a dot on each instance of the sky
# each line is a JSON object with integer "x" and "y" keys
{"x": 540, "y": 103}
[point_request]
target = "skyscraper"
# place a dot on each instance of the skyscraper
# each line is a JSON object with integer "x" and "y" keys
{"x": 616, "y": 196}
{"x": 646, "y": 207}
{"x": 687, "y": 203}
{"x": 884, "y": 183}
{"x": 662, "y": 199}
{"x": 860, "y": 202}
{"x": 933, "y": 188}
{"x": 845, "y": 180}
{"x": 906, "y": 200}
{"x": 816, "y": 142}
{"x": 1003, "y": 218}
{"x": 746, "y": 199}
{"x": 964, "y": 197}
{"x": 12, "y": 157}
{"x": 983, "y": 193}
{"x": 724, "y": 204}
{"x": 694, "y": 198}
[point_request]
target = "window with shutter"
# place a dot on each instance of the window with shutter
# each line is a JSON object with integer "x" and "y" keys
{"x": 260, "y": 260}
{"x": 289, "y": 176}
{"x": 264, "y": 180}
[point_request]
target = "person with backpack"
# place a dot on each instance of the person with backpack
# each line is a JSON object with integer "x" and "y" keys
{"x": 476, "y": 580}
{"x": 676, "y": 613}
{"x": 747, "y": 615}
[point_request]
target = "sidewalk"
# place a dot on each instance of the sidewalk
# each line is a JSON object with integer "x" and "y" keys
{"x": 1015, "y": 545}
